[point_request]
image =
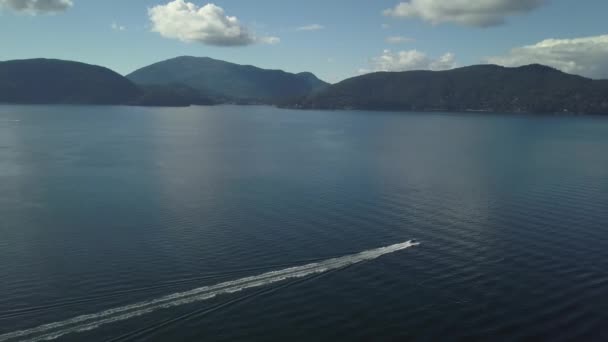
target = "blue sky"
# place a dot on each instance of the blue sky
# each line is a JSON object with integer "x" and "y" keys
{"x": 350, "y": 35}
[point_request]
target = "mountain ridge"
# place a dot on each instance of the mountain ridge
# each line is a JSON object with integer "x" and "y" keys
{"x": 228, "y": 80}
{"x": 532, "y": 88}
{"x": 55, "y": 81}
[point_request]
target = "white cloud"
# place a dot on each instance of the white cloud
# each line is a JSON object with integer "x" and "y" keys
{"x": 117, "y": 27}
{"x": 385, "y": 26}
{"x": 268, "y": 40}
{"x": 480, "y": 13}
{"x": 311, "y": 27}
{"x": 398, "y": 40}
{"x": 208, "y": 24}
{"x": 410, "y": 60}
{"x": 587, "y": 56}
{"x": 34, "y": 7}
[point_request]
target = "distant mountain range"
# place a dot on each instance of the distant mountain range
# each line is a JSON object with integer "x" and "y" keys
{"x": 181, "y": 81}
{"x": 186, "y": 81}
{"x": 533, "y": 88}
{"x": 232, "y": 82}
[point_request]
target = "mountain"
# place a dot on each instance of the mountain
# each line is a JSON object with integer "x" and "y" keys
{"x": 51, "y": 81}
{"x": 533, "y": 88}
{"x": 220, "y": 79}
{"x": 184, "y": 81}
{"x": 313, "y": 82}
{"x": 172, "y": 95}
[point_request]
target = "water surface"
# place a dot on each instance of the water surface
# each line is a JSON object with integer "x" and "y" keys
{"x": 105, "y": 207}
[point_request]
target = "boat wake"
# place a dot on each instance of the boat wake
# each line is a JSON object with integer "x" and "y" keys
{"x": 89, "y": 322}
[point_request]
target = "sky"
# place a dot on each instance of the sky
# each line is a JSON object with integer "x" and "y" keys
{"x": 335, "y": 39}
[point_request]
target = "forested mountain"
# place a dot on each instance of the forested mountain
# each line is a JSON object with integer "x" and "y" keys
{"x": 220, "y": 79}
{"x": 52, "y": 81}
{"x": 533, "y": 88}
{"x": 187, "y": 81}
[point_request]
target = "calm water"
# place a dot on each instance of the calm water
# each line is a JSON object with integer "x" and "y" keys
{"x": 106, "y": 207}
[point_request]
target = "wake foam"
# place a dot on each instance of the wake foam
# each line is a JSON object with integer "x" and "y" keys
{"x": 89, "y": 322}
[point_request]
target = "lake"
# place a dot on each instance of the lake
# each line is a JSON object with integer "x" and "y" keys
{"x": 248, "y": 223}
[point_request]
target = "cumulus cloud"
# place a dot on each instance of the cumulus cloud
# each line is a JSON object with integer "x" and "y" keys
{"x": 208, "y": 24}
{"x": 312, "y": 27}
{"x": 410, "y": 60}
{"x": 479, "y": 13}
{"x": 34, "y": 7}
{"x": 398, "y": 40}
{"x": 587, "y": 56}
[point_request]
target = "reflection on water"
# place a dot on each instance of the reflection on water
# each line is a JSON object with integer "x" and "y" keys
{"x": 104, "y": 207}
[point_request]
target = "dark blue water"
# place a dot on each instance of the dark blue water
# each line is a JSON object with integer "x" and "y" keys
{"x": 102, "y": 207}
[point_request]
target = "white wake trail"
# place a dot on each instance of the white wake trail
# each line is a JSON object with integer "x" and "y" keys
{"x": 82, "y": 323}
